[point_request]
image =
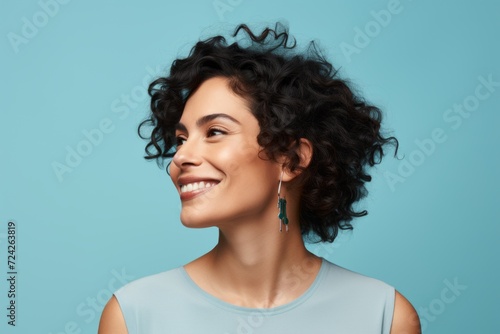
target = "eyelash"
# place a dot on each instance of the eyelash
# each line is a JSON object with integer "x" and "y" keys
{"x": 212, "y": 130}
{"x": 210, "y": 133}
{"x": 179, "y": 140}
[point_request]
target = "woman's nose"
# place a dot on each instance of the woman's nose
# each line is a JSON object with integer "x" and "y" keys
{"x": 188, "y": 154}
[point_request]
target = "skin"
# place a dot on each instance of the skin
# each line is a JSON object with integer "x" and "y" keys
{"x": 253, "y": 264}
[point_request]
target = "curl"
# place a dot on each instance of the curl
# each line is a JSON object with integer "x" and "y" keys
{"x": 293, "y": 95}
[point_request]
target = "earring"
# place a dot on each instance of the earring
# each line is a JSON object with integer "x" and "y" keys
{"x": 282, "y": 207}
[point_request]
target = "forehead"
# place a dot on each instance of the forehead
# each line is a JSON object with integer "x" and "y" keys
{"x": 214, "y": 96}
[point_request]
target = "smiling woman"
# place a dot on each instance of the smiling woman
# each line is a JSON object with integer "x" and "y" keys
{"x": 259, "y": 137}
{"x": 217, "y": 145}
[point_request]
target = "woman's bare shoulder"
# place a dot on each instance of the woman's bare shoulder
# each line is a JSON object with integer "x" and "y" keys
{"x": 405, "y": 319}
{"x": 112, "y": 320}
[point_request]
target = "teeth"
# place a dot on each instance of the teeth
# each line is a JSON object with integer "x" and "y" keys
{"x": 196, "y": 186}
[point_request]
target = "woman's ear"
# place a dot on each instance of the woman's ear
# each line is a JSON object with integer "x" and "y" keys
{"x": 305, "y": 152}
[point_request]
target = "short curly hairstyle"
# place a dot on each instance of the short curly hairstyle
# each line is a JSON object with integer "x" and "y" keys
{"x": 293, "y": 95}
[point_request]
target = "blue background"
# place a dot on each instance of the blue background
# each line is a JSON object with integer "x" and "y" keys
{"x": 114, "y": 216}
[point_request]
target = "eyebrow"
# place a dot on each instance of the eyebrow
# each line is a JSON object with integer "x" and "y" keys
{"x": 207, "y": 118}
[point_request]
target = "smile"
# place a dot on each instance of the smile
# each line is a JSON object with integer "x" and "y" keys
{"x": 202, "y": 185}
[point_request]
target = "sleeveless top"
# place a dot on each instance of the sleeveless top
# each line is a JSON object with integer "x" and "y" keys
{"x": 338, "y": 301}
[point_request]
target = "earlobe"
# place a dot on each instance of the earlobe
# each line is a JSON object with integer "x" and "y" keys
{"x": 305, "y": 152}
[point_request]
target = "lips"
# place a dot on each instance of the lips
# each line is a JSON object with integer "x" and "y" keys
{"x": 191, "y": 187}
{"x": 197, "y": 186}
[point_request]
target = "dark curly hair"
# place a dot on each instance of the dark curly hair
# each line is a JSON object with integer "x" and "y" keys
{"x": 293, "y": 95}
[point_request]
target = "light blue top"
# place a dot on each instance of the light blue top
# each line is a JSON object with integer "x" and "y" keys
{"x": 338, "y": 301}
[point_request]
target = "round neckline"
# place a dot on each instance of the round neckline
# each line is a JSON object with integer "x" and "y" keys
{"x": 268, "y": 311}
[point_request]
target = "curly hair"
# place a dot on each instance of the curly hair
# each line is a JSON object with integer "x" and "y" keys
{"x": 293, "y": 95}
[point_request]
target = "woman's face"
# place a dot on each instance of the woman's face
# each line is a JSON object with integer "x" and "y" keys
{"x": 217, "y": 169}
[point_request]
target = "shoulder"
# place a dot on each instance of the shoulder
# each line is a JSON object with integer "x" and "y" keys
{"x": 399, "y": 312}
{"x": 405, "y": 319}
{"x": 148, "y": 291}
{"x": 371, "y": 298}
{"x": 151, "y": 284}
{"x": 112, "y": 320}
{"x": 353, "y": 282}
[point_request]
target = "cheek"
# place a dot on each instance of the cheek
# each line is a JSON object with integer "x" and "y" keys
{"x": 236, "y": 159}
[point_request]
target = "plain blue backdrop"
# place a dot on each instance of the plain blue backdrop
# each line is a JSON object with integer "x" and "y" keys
{"x": 92, "y": 214}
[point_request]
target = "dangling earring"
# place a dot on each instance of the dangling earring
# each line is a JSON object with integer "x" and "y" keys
{"x": 282, "y": 207}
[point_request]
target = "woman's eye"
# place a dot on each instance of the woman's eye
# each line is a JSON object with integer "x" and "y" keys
{"x": 179, "y": 141}
{"x": 215, "y": 132}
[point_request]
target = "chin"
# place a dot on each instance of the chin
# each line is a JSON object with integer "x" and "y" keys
{"x": 194, "y": 222}
{"x": 194, "y": 225}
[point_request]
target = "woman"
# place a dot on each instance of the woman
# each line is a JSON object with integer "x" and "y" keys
{"x": 270, "y": 146}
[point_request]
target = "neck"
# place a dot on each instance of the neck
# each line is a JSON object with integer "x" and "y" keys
{"x": 258, "y": 267}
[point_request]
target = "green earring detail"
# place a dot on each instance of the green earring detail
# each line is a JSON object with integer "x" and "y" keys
{"x": 282, "y": 207}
